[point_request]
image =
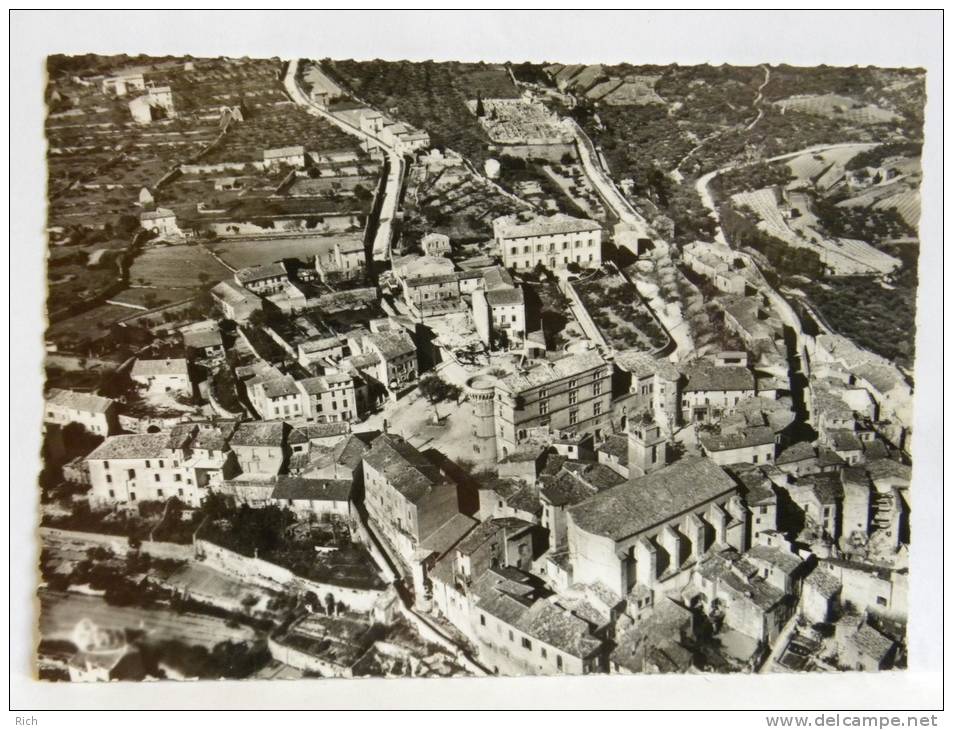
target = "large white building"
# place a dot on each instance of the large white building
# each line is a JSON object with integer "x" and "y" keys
{"x": 93, "y": 412}
{"x": 555, "y": 242}
{"x": 131, "y": 468}
{"x": 162, "y": 376}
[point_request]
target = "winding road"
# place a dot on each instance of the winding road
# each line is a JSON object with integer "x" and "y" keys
{"x": 395, "y": 178}
{"x": 701, "y": 185}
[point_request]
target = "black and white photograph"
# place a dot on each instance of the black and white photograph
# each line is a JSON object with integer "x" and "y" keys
{"x": 383, "y": 367}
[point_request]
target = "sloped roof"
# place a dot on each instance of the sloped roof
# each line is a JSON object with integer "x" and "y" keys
{"x": 302, "y": 488}
{"x": 264, "y": 271}
{"x": 746, "y": 438}
{"x": 259, "y": 433}
{"x": 78, "y": 401}
{"x": 205, "y": 338}
{"x": 403, "y": 466}
{"x": 153, "y": 368}
{"x": 708, "y": 376}
{"x": 512, "y": 227}
{"x": 504, "y": 297}
{"x": 132, "y": 446}
{"x": 642, "y": 503}
{"x": 448, "y": 534}
{"x": 548, "y": 372}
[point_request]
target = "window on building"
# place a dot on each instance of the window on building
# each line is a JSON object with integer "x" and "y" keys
{"x": 148, "y": 464}
{"x": 573, "y": 397}
{"x": 559, "y": 662}
{"x": 155, "y": 477}
{"x": 596, "y": 408}
{"x": 112, "y": 494}
{"x": 543, "y": 392}
{"x": 482, "y": 619}
{"x": 109, "y": 479}
{"x": 573, "y": 417}
{"x": 131, "y": 473}
{"x": 543, "y": 407}
{"x": 159, "y": 493}
{"x": 181, "y": 492}
{"x": 542, "y": 652}
{"x": 132, "y": 496}
{"x": 511, "y": 636}
{"x": 754, "y": 459}
{"x": 881, "y": 601}
{"x": 106, "y": 465}
{"x": 177, "y": 477}
{"x": 527, "y": 644}
{"x": 573, "y": 383}
{"x": 763, "y": 510}
{"x": 597, "y": 388}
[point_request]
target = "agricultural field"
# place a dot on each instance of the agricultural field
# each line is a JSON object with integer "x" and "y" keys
{"x": 619, "y": 312}
{"x": 838, "y": 107}
{"x": 150, "y": 297}
{"x": 90, "y": 325}
{"x": 177, "y": 267}
{"x": 878, "y": 316}
{"x": 454, "y": 201}
{"x": 278, "y": 124}
{"x": 240, "y": 254}
{"x": 843, "y": 256}
{"x": 430, "y": 96}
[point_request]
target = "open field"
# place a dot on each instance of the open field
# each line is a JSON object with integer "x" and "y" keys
{"x": 176, "y": 267}
{"x": 455, "y": 202}
{"x": 152, "y": 296}
{"x": 836, "y": 106}
{"x": 265, "y": 251}
{"x": 620, "y": 314}
{"x": 88, "y": 325}
{"x": 278, "y": 124}
{"x": 59, "y": 613}
{"x": 843, "y": 256}
{"x": 430, "y": 96}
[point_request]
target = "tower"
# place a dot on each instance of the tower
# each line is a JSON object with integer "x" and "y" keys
{"x": 481, "y": 393}
{"x": 647, "y": 451}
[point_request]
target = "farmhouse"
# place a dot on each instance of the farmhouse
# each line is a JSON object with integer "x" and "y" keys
{"x": 264, "y": 279}
{"x": 93, "y": 412}
{"x": 236, "y": 302}
{"x": 308, "y": 497}
{"x": 205, "y": 344}
{"x": 435, "y": 244}
{"x": 554, "y": 242}
{"x": 122, "y": 83}
{"x": 347, "y": 259}
{"x": 162, "y": 376}
{"x": 160, "y": 221}
{"x": 293, "y": 156}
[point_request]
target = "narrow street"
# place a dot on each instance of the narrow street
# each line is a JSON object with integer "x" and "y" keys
{"x": 388, "y": 212}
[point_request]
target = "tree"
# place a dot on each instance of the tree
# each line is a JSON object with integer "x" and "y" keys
{"x": 436, "y": 389}
{"x": 480, "y": 111}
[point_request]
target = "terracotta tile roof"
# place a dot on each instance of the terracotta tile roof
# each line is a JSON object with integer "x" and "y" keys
{"x": 642, "y": 503}
{"x": 78, "y": 401}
